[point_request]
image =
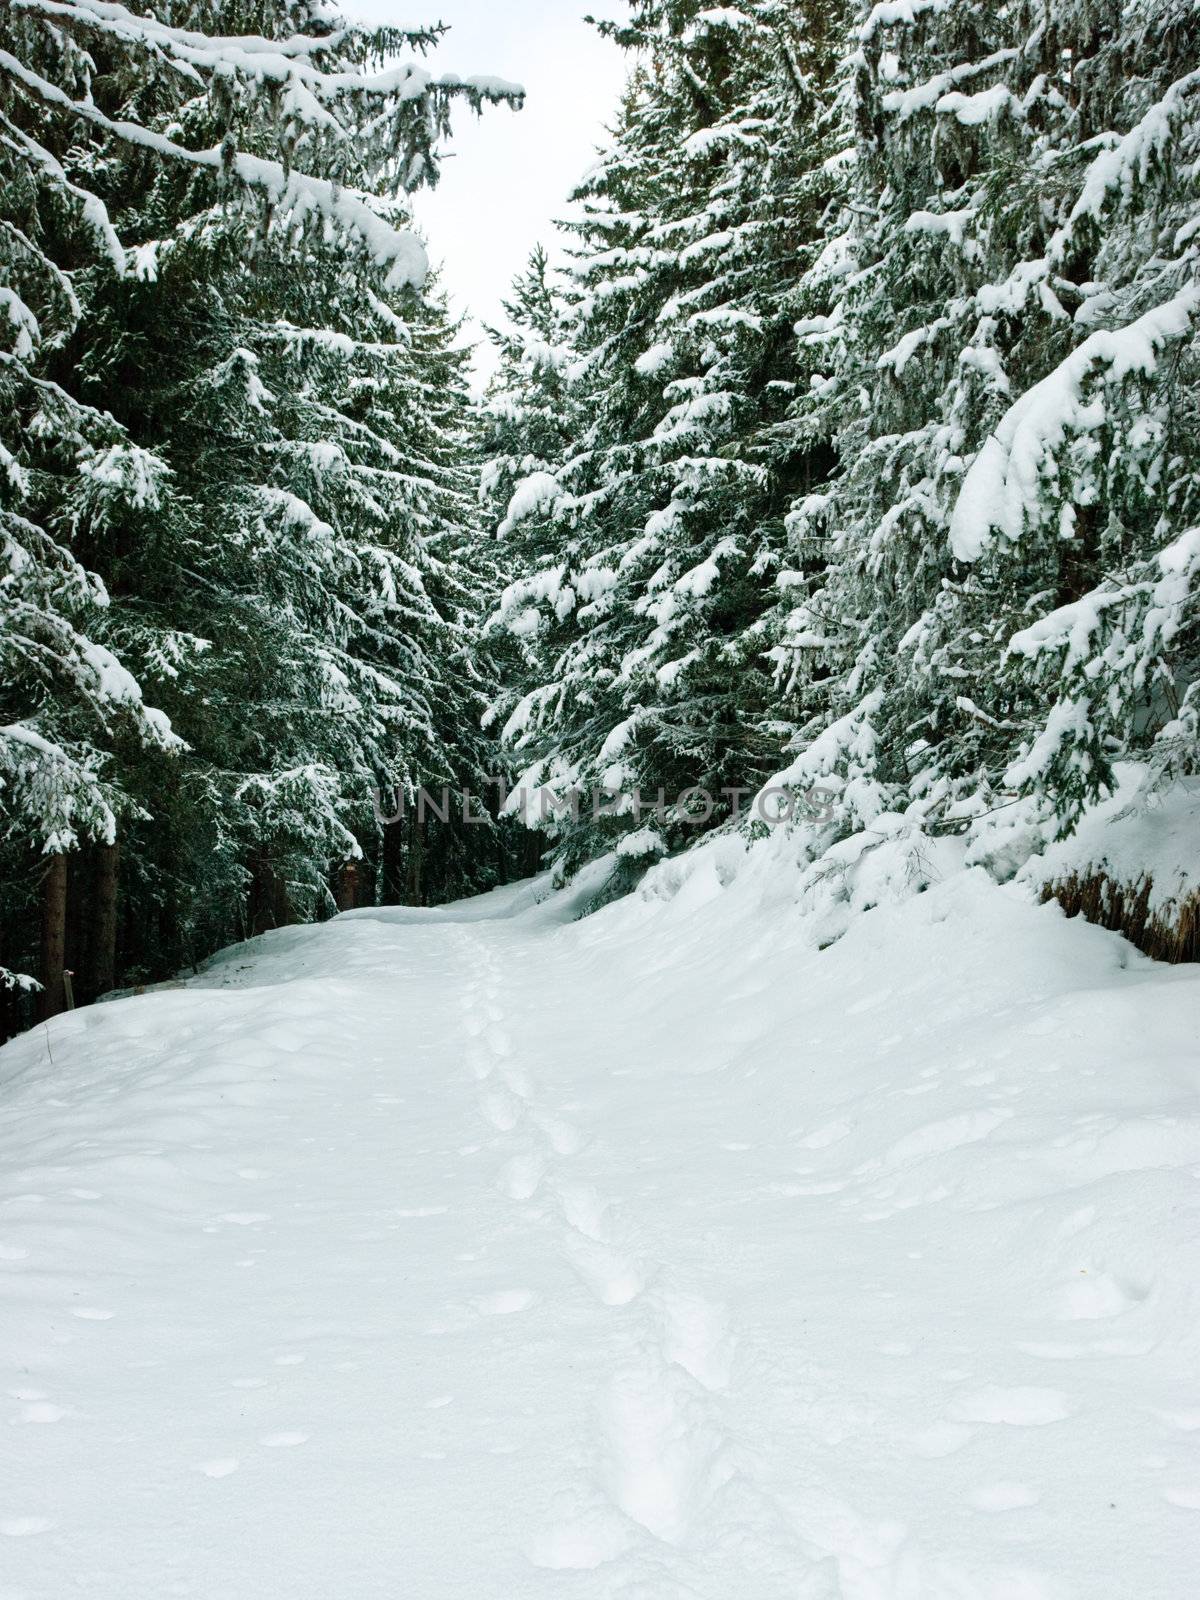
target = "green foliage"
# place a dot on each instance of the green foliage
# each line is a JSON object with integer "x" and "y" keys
{"x": 238, "y": 460}
{"x": 648, "y": 526}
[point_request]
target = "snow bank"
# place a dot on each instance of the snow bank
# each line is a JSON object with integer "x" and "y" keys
{"x": 1133, "y": 840}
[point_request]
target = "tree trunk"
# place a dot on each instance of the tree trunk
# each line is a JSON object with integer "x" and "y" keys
{"x": 78, "y": 924}
{"x": 262, "y": 894}
{"x": 1078, "y": 559}
{"x": 392, "y": 865}
{"x": 281, "y": 906}
{"x": 102, "y": 951}
{"x": 54, "y": 936}
{"x": 531, "y": 853}
{"x": 346, "y": 891}
{"x": 9, "y": 1000}
{"x": 416, "y": 858}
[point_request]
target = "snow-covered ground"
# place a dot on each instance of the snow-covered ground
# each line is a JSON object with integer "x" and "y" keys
{"x": 483, "y": 1255}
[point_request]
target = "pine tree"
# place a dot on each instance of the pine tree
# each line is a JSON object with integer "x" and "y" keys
{"x": 162, "y": 195}
{"x": 651, "y": 550}
{"x": 1013, "y": 392}
{"x": 529, "y": 421}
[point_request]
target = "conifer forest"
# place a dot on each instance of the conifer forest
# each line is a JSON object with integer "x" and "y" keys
{"x": 759, "y": 684}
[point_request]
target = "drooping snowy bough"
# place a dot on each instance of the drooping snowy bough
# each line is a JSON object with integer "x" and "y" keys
{"x": 247, "y": 165}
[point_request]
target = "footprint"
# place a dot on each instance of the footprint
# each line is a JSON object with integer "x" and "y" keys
{"x": 498, "y": 1041}
{"x": 221, "y": 1468}
{"x": 1016, "y": 1408}
{"x": 697, "y": 1339}
{"x": 794, "y": 1191}
{"x": 565, "y": 1139}
{"x": 1076, "y": 1222}
{"x": 1187, "y": 1499}
{"x": 613, "y": 1278}
{"x": 660, "y": 1456}
{"x": 286, "y": 1440}
{"x": 501, "y": 1109}
{"x": 584, "y": 1210}
{"x": 480, "y": 1061}
{"x": 23, "y": 1527}
{"x": 1093, "y": 1296}
{"x": 520, "y": 1178}
{"x": 587, "y": 1537}
{"x": 1185, "y": 1421}
{"x": 91, "y": 1314}
{"x": 505, "y": 1302}
{"x": 519, "y": 1081}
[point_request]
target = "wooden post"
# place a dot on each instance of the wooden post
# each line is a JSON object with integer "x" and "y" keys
{"x": 54, "y": 936}
{"x": 103, "y": 943}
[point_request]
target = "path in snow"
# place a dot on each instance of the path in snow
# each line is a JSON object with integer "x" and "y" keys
{"x": 657, "y": 1257}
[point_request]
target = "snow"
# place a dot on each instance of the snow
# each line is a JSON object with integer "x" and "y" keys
{"x": 485, "y": 1252}
{"x": 27, "y": 330}
{"x": 1068, "y": 722}
{"x": 533, "y": 496}
{"x": 653, "y": 360}
{"x": 295, "y": 196}
{"x": 951, "y": 224}
{"x": 1003, "y": 486}
{"x": 972, "y": 109}
{"x": 641, "y": 842}
{"x": 1132, "y": 836}
{"x": 617, "y": 739}
{"x": 897, "y": 13}
{"x": 113, "y": 682}
{"x": 1128, "y": 160}
{"x": 1074, "y": 628}
{"x": 305, "y": 97}
{"x": 19, "y": 734}
{"x": 906, "y": 103}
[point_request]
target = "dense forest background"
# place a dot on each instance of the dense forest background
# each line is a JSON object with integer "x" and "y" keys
{"x": 857, "y": 443}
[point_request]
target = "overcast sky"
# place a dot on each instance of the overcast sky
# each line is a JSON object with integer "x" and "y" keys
{"x": 509, "y": 173}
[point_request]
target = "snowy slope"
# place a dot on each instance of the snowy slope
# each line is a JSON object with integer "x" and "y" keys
{"x": 478, "y": 1254}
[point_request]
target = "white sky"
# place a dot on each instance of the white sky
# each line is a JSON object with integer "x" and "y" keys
{"x": 510, "y": 173}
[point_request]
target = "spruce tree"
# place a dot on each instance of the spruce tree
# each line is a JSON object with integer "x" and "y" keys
{"x": 1007, "y": 604}
{"x": 188, "y": 218}
{"x": 651, "y": 550}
